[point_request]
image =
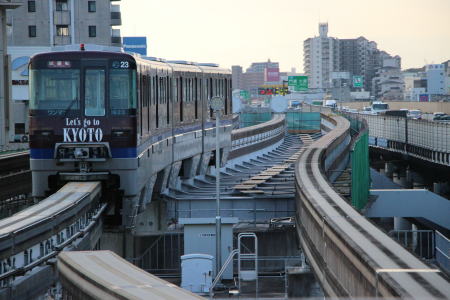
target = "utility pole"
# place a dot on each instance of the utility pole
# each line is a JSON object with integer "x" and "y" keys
{"x": 216, "y": 104}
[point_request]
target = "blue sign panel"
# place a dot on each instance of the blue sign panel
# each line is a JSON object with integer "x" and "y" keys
{"x": 136, "y": 44}
{"x": 382, "y": 142}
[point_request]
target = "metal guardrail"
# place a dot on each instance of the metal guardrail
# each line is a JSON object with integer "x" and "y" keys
{"x": 253, "y": 138}
{"x": 443, "y": 251}
{"x": 425, "y": 140}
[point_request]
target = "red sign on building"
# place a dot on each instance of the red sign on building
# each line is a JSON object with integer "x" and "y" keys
{"x": 272, "y": 75}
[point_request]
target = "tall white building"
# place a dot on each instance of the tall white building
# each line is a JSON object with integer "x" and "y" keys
{"x": 320, "y": 57}
{"x": 436, "y": 79}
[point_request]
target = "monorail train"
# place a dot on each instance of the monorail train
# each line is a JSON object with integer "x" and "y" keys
{"x": 129, "y": 121}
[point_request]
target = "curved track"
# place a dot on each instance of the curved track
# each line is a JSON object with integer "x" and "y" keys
{"x": 33, "y": 236}
{"x": 350, "y": 255}
{"x": 104, "y": 275}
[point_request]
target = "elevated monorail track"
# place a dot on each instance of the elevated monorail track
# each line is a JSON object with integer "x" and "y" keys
{"x": 32, "y": 237}
{"x": 15, "y": 177}
{"x": 104, "y": 275}
{"x": 350, "y": 256}
{"x": 255, "y": 189}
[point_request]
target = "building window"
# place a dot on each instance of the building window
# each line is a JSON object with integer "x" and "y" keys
{"x": 92, "y": 6}
{"x": 61, "y": 5}
{"x": 31, "y": 6}
{"x": 92, "y": 31}
{"x": 62, "y": 30}
{"x": 32, "y": 31}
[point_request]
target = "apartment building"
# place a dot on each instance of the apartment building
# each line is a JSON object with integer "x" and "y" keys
{"x": 320, "y": 58}
{"x": 324, "y": 55}
{"x": 63, "y": 22}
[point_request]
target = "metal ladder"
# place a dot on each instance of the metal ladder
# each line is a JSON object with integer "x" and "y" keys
{"x": 248, "y": 274}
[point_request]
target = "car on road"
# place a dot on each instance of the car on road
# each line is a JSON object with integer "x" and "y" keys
{"x": 414, "y": 114}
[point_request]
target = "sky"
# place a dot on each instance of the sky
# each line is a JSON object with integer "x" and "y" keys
{"x": 239, "y": 32}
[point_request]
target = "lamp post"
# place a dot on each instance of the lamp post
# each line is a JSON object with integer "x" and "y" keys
{"x": 216, "y": 104}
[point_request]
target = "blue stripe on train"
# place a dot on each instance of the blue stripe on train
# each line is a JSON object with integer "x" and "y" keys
{"x": 124, "y": 152}
{"x": 115, "y": 152}
{"x": 41, "y": 153}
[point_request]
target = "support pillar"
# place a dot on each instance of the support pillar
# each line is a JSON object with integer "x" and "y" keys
{"x": 401, "y": 224}
{"x": 389, "y": 169}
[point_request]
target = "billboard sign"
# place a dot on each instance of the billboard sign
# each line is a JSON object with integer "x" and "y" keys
{"x": 424, "y": 98}
{"x": 272, "y": 75}
{"x": 136, "y": 44}
{"x": 264, "y": 91}
{"x": 298, "y": 83}
{"x": 358, "y": 81}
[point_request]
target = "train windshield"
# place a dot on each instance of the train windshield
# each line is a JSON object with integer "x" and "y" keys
{"x": 94, "y": 92}
{"x": 56, "y": 91}
{"x": 122, "y": 89}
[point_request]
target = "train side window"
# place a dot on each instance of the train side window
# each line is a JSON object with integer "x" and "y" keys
{"x": 188, "y": 89}
{"x": 211, "y": 92}
{"x": 122, "y": 91}
{"x": 157, "y": 101}
{"x": 175, "y": 91}
{"x": 196, "y": 98}
{"x": 154, "y": 91}
{"x": 169, "y": 89}
{"x": 94, "y": 92}
{"x": 182, "y": 93}
{"x": 145, "y": 90}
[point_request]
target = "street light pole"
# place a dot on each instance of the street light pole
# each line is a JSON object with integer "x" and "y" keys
{"x": 216, "y": 104}
{"x": 218, "y": 218}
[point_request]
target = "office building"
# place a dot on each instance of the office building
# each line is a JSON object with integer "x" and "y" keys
{"x": 436, "y": 79}
{"x": 237, "y": 78}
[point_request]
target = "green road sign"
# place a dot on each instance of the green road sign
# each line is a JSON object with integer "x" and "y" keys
{"x": 299, "y": 83}
{"x": 357, "y": 81}
{"x": 245, "y": 95}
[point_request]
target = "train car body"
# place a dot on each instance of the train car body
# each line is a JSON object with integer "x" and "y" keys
{"x": 131, "y": 122}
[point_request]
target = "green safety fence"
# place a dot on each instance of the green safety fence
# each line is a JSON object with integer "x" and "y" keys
{"x": 360, "y": 171}
{"x": 250, "y": 119}
{"x": 305, "y": 121}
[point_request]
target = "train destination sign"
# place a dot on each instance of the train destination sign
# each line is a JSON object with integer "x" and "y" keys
{"x": 82, "y": 131}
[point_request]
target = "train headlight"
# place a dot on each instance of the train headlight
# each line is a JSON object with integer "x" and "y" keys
{"x": 118, "y": 133}
{"x": 90, "y": 152}
{"x": 81, "y": 153}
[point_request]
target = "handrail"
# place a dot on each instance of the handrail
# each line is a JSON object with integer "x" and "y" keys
{"x": 222, "y": 270}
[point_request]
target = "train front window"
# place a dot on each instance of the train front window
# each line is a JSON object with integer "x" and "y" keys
{"x": 55, "y": 90}
{"x": 94, "y": 92}
{"x": 122, "y": 89}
